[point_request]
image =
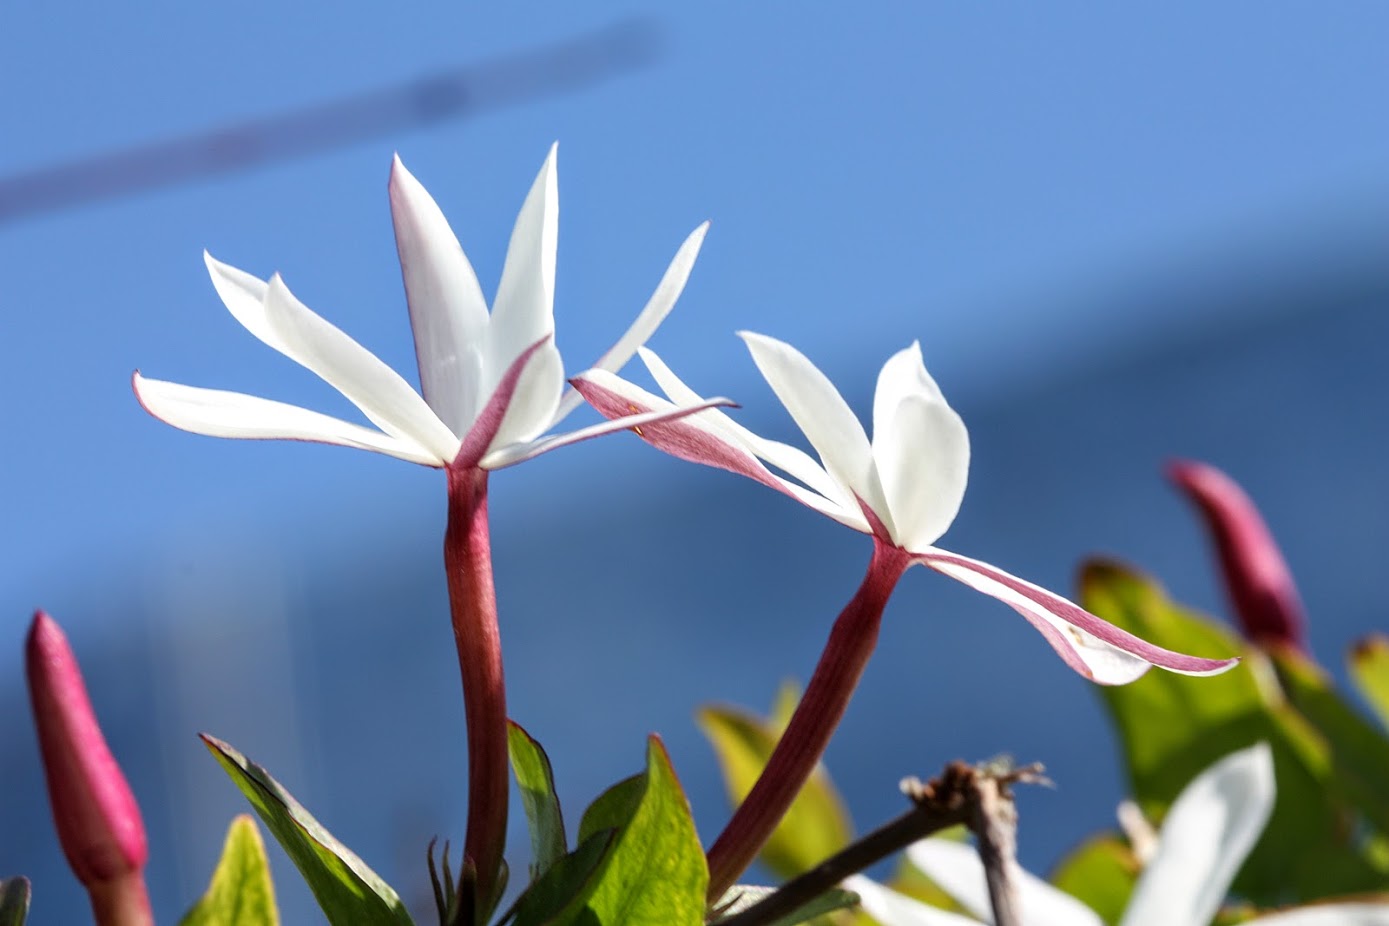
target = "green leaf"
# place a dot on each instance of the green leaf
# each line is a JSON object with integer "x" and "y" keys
{"x": 348, "y": 892}
{"x": 1369, "y": 669}
{"x": 1174, "y": 726}
{"x": 815, "y": 827}
{"x": 537, "y": 782}
{"x": 240, "y": 893}
{"x": 561, "y": 893}
{"x": 655, "y": 874}
{"x": 742, "y": 896}
{"x": 14, "y": 901}
{"x": 1101, "y": 872}
{"x": 1359, "y": 751}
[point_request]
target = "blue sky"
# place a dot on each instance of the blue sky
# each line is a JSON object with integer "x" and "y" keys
{"x": 975, "y": 176}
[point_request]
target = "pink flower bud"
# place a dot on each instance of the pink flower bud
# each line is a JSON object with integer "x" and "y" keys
{"x": 1257, "y": 580}
{"x": 96, "y": 816}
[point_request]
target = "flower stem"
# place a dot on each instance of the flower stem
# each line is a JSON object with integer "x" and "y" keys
{"x": 851, "y": 643}
{"x": 121, "y": 901}
{"x": 473, "y": 607}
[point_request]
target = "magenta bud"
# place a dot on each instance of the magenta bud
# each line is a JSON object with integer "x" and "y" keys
{"x": 96, "y": 816}
{"x": 1257, "y": 579}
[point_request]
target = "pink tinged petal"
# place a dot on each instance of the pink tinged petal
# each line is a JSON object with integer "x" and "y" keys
{"x": 956, "y": 868}
{"x": 517, "y": 453}
{"x": 922, "y": 457}
{"x": 825, "y": 418}
{"x": 657, "y": 308}
{"x": 893, "y": 909}
{"x": 97, "y": 818}
{"x": 1207, "y": 834}
{"x": 368, "y": 383}
{"x": 1256, "y": 576}
{"x": 485, "y": 434}
{"x": 791, "y": 460}
{"x": 448, "y": 312}
{"x": 523, "y": 312}
{"x": 232, "y": 414}
{"x": 1093, "y": 647}
{"x": 1332, "y": 914}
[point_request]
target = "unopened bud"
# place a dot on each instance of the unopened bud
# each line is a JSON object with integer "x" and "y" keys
{"x": 1261, "y": 589}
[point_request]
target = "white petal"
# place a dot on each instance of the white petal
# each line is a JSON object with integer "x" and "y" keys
{"x": 448, "y": 312}
{"x": 956, "y": 868}
{"x": 904, "y": 374}
{"x": 893, "y": 909}
{"x": 1336, "y": 914}
{"x": 368, "y": 383}
{"x": 922, "y": 457}
{"x": 824, "y": 417}
{"x": 244, "y": 296}
{"x": 657, "y": 308}
{"x": 232, "y": 414}
{"x": 524, "y": 312}
{"x": 1207, "y": 834}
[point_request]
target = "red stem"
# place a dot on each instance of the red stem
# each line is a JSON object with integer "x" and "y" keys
{"x": 121, "y": 901}
{"x": 473, "y": 606}
{"x": 851, "y": 642}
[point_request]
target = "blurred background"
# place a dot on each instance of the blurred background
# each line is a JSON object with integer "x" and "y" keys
{"x": 1120, "y": 234}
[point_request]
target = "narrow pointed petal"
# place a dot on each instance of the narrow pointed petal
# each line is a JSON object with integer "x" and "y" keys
{"x": 1257, "y": 579}
{"x": 486, "y": 432}
{"x": 657, "y": 308}
{"x": 1207, "y": 834}
{"x": 1093, "y": 647}
{"x": 893, "y": 909}
{"x": 368, "y": 383}
{"x": 448, "y": 312}
{"x": 1332, "y": 914}
{"x": 791, "y": 460}
{"x": 517, "y": 453}
{"x": 692, "y": 438}
{"x": 825, "y": 418}
{"x": 98, "y": 821}
{"x": 922, "y": 456}
{"x": 956, "y": 868}
{"x": 231, "y": 414}
{"x": 244, "y": 297}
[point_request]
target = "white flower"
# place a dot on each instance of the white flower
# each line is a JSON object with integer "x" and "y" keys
{"x": 904, "y": 486}
{"x": 491, "y": 383}
{"x": 1209, "y": 830}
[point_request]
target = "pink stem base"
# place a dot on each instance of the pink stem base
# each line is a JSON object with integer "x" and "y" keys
{"x": 473, "y": 607}
{"x": 851, "y": 643}
{"x": 121, "y": 901}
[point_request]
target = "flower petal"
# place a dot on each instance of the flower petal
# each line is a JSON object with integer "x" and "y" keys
{"x": 695, "y": 438}
{"x": 893, "y": 909}
{"x": 825, "y": 418}
{"x": 1093, "y": 647}
{"x": 231, "y": 414}
{"x": 657, "y": 308}
{"x": 904, "y": 374}
{"x": 524, "y": 312}
{"x": 1333, "y": 914}
{"x": 448, "y": 313}
{"x": 791, "y": 460}
{"x": 368, "y": 383}
{"x": 922, "y": 455}
{"x": 485, "y": 434}
{"x": 956, "y": 868}
{"x": 517, "y": 453}
{"x": 1207, "y": 834}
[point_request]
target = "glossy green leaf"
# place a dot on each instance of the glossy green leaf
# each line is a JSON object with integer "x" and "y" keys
{"x": 655, "y": 874}
{"x": 1100, "y": 872}
{"x": 14, "y": 901}
{"x": 1369, "y": 669}
{"x": 537, "y": 782}
{"x": 348, "y": 892}
{"x": 742, "y": 896}
{"x": 815, "y": 827}
{"x": 1359, "y": 751}
{"x": 241, "y": 893}
{"x": 561, "y": 894}
{"x": 1174, "y": 726}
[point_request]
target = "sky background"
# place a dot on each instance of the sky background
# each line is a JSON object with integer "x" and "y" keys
{"x": 1182, "y": 206}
